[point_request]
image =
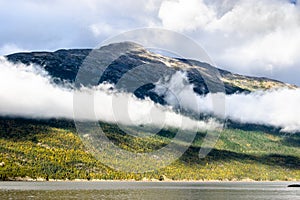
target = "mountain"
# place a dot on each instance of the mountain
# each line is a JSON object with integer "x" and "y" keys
{"x": 63, "y": 65}
{"x": 52, "y": 149}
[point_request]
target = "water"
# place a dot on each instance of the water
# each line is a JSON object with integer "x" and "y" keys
{"x": 149, "y": 190}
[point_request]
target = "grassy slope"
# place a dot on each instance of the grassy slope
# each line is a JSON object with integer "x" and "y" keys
{"x": 53, "y": 150}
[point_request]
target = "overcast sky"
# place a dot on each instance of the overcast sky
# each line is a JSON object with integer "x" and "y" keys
{"x": 260, "y": 37}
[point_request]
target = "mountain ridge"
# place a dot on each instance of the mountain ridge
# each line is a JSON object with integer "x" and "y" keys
{"x": 63, "y": 65}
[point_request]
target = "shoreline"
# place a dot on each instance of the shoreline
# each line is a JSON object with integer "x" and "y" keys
{"x": 144, "y": 180}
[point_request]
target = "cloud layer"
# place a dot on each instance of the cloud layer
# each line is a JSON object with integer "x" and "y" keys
{"x": 278, "y": 108}
{"x": 28, "y": 91}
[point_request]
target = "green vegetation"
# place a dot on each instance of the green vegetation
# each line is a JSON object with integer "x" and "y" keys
{"x": 252, "y": 84}
{"x": 53, "y": 150}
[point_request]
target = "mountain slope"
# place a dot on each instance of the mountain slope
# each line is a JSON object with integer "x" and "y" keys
{"x": 52, "y": 150}
{"x": 63, "y": 65}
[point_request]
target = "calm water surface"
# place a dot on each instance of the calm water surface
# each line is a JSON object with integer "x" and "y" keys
{"x": 148, "y": 190}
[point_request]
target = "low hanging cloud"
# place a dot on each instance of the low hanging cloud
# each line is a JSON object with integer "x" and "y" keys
{"x": 278, "y": 108}
{"x": 28, "y": 91}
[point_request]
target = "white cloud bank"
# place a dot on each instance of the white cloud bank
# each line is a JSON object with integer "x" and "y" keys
{"x": 27, "y": 91}
{"x": 279, "y": 108}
